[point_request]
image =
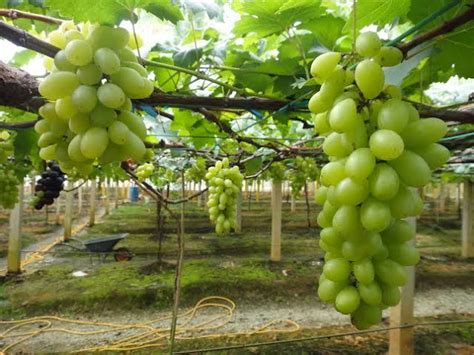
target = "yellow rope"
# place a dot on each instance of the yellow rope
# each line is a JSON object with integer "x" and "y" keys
{"x": 147, "y": 334}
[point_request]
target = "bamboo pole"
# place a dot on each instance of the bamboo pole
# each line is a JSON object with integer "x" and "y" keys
{"x": 67, "y": 221}
{"x": 238, "y": 213}
{"x": 92, "y": 202}
{"x": 467, "y": 220}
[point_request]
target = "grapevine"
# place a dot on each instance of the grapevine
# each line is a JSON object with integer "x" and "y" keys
{"x": 379, "y": 151}
{"x": 89, "y": 114}
{"x": 224, "y": 185}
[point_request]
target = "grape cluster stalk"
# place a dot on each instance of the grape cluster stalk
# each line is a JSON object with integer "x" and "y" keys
{"x": 88, "y": 116}
{"x": 380, "y": 152}
{"x": 225, "y": 184}
{"x": 49, "y": 186}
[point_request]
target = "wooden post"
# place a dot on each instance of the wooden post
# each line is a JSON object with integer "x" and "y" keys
{"x": 79, "y": 200}
{"x": 67, "y": 221}
{"x": 401, "y": 340}
{"x": 275, "y": 254}
{"x": 257, "y": 192}
{"x": 92, "y": 202}
{"x": 57, "y": 217}
{"x": 14, "y": 239}
{"x": 238, "y": 213}
{"x": 468, "y": 220}
{"x": 105, "y": 189}
{"x": 293, "y": 202}
{"x": 116, "y": 194}
{"x": 199, "y": 199}
{"x": 442, "y": 197}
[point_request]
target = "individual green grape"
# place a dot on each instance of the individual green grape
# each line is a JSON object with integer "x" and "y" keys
{"x": 94, "y": 142}
{"x": 380, "y": 254}
{"x": 46, "y": 139}
{"x": 113, "y": 153}
{"x": 404, "y": 254}
{"x": 102, "y": 116}
{"x": 89, "y": 74}
{"x": 58, "y": 85}
{"x": 343, "y": 116}
{"x": 323, "y": 65}
{"x": 413, "y": 114}
{"x": 318, "y": 103}
{"x": 41, "y": 126}
{"x": 65, "y": 108}
{"x": 346, "y": 221}
{"x": 394, "y": 92}
{"x": 113, "y": 38}
{"x": 408, "y": 163}
{"x": 48, "y": 153}
{"x": 328, "y": 290}
{"x": 386, "y": 144}
{"x": 398, "y": 232}
{"x": 434, "y": 154}
{"x": 79, "y": 123}
{"x": 390, "y": 295}
{"x": 354, "y": 250}
{"x": 84, "y": 98}
{"x": 347, "y": 300}
{"x": 389, "y": 56}
{"x": 118, "y": 132}
{"x": 332, "y": 173}
{"x": 383, "y": 182}
{"x": 393, "y": 115}
{"x": 320, "y": 195}
{"x": 78, "y": 52}
{"x": 134, "y": 123}
{"x": 351, "y": 192}
{"x": 422, "y": 132}
{"x": 107, "y": 60}
{"x": 126, "y": 55}
{"x": 58, "y": 127}
{"x": 60, "y": 152}
{"x": 321, "y": 123}
{"x": 135, "y": 41}
{"x": 111, "y": 95}
{"x": 358, "y": 137}
{"x": 360, "y": 164}
{"x": 373, "y": 242}
{"x": 370, "y": 293}
{"x": 368, "y": 44}
{"x": 330, "y": 236}
{"x": 364, "y": 271}
{"x": 337, "y": 270}
{"x": 334, "y": 84}
{"x": 365, "y": 316}
{"x": 128, "y": 80}
{"x": 72, "y": 35}
{"x": 390, "y": 272}
{"x": 375, "y": 216}
{"x": 134, "y": 147}
{"x": 369, "y": 77}
{"x": 403, "y": 204}
{"x": 48, "y": 111}
{"x": 136, "y": 66}
{"x": 337, "y": 145}
{"x": 57, "y": 38}
{"x": 62, "y": 63}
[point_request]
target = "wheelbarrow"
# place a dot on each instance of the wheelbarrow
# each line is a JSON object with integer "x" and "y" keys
{"x": 102, "y": 247}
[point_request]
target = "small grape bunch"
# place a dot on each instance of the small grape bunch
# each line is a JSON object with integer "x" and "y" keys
{"x": 6, "y": 147}
{"x": 144, "y": 171}
{"x": 8, "y": 186}
{"x": 49, "y": 186}
{"x": 225, "y": 183}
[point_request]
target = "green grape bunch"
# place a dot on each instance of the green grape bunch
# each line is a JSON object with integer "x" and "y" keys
{"x": 144, "y": 171}
{"x": 379, "y": 152}
{"x": 197, "y": 172}
{"x": 6, "y": 146}
{"x": 88, "y": 116}
{"x": 276, "y": 172}
{"x": 8, "y": 186}
{"x": 305, "y": 170}
{"x": 224, "y": 185}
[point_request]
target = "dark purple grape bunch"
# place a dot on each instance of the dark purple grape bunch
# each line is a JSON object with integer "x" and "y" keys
{"x": 49, "y": 186}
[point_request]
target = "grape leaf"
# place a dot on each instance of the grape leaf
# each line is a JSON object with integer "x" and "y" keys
{"x": 165, "y": 10}
{"x": 326, "y": 29}
{"x": 253, "y": 166}
{"x": 379, "y": 12}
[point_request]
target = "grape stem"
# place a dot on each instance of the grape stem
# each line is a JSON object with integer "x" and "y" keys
{"x": 16, "y": 14}
{"x": 445, "y": 27}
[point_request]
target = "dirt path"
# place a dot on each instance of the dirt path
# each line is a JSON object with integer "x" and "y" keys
{"x": 310, "y": 314}
{"x": 33, "y": 253}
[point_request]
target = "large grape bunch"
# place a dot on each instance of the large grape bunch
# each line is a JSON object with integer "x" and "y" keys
{"x": 89, "y": 114}
{"x": 224, "y": 185}
{"x": 8, "y": 186}
{"x": 49, "y": 186}
{"x": 379, "y": 152}
{"x": 305, "y": 169}
{"x": 144, "y": 171}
